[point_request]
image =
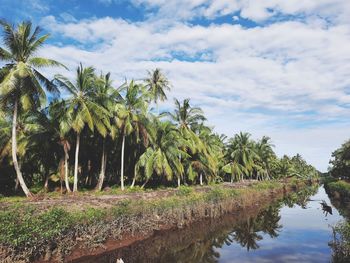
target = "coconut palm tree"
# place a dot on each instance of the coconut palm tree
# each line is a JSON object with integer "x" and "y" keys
{"x": 106, "y": 96}
{"x": 131, "y": 116}
{"x": 81, "y": 108}
{"x": 161, "y": 158}
{"x": 186, "y": 118}
{"x": 157, "y": 83}
{"x": 264, "y": 150}
{"x": 21, "y": 83}
{"x": 59, "y": 118}
{"x": 242, "y": 154}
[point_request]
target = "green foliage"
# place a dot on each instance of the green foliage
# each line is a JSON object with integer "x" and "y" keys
{"x": 216, "y": 194}
{"x": 23, "y": 227}
{"x": 340, "y": 162}
{"x": 89, "y": 215}
{"x": 122, "y": 208}
{"x": 341, "y": 242}
{"x": 267, "y": 185}
{"x": 341, "y": 187}
{"x": 184, "y": 190}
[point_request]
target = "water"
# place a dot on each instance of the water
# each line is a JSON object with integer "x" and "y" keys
{"x": 296, "y": 229}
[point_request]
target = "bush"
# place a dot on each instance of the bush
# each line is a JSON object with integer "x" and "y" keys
{"x": 216, "y": 194}
{"x": 24, "y": 228}
{"x": 184, "y": 190}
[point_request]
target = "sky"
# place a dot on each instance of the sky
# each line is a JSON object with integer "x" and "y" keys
{"x": 267, "y": 67}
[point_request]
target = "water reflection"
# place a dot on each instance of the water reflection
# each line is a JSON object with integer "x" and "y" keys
{"x": 292, "y": 230}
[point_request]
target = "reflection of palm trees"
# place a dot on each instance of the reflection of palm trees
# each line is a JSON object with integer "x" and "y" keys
{"x": 271, "y": 220}
{"x": 300, "y": 198}
{"x": 246, "y": 234}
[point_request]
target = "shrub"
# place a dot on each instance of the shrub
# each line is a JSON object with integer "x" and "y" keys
{"x": 24, "y": 228}
{"x": 184, "y": 190}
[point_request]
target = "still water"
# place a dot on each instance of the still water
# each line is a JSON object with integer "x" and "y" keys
{"x": 295, "y": 229}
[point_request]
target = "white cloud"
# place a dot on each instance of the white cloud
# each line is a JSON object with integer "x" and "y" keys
{"x": 285, "y": 79}
{"x": 337, "y": 10}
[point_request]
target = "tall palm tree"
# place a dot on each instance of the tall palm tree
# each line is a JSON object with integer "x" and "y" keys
{"x": 161, "y": 158}
{"x": 130, "y": 116}
{"x": 21, "y": 83}
{"x": 265, "y": 154}
{"x": 106, "y": 96}
{"x": 242, "y": 153}
{"x": 187, "y": 117}
{"x": 82, "y": 110}
{"x": 157, "y": 83}
{"x": 57, "y": 127}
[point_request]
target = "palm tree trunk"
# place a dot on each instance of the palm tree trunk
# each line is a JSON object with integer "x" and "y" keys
{"x": 103, "y": 167}
{"x": 46, "y": 185}
{"x": 201, "y": 179}
{"x": 133, "y": 182}
{"x": 144, "y": 184}
{"x": 178, "y": 181}
{"x": 16, "y": 184}
{"x": 66, "y": 156}
{"x": 122, "y": 165}
{"x": 14, "y": 152}
{"x": 75, "y": 186}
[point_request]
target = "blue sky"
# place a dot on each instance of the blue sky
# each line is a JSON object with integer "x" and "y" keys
{"x": 277, "y": 68}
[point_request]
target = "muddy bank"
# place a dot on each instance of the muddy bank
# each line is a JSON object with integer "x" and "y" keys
{"x": 129, "y": 221}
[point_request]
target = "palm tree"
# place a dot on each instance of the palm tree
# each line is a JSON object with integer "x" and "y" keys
{"x": 157, "y": 84}
{"x": 241, "y": 154}
{"x": 21, "y": 82}
{"x": 58, "y": 127}
{"x": 161, "y": 158}
{"x": 130, "y": 116}
{"x": 187, "y": 117}
{"x": 106, "y": 96}
{"x": 265, "y": 154}
{"x": 82, "y": 110}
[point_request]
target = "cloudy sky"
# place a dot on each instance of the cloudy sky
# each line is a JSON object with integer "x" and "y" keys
{"x": 268, "y": 67}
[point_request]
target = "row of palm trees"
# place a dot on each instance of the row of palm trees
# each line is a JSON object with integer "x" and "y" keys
{"x": 115, "y": 131}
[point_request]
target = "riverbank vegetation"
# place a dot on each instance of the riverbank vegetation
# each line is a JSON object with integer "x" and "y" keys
{"x": 99, "y": 134}
{"x": 337, "y": 181}
{"x": 341, "y": 242}
{"x": 337, "y": 185}
{"x": 340, "y": 162}
{"x": 203, "y": 241}
{"x": 27, "y": 231}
